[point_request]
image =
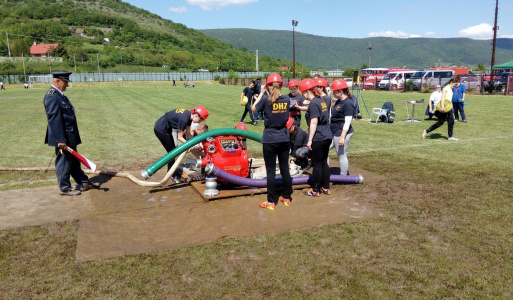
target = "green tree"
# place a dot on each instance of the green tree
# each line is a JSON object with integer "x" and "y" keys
{"x": 480, "y": 67}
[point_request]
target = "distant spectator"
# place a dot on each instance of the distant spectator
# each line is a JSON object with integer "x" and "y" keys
{"x": 256, "y": 91}
{"x": 458, "y": 100}
{"x": 433, "y": 101}
{"x": 248, "y": 93}
{"x": 2, "y": 85}
{"x": 26, "y": 86}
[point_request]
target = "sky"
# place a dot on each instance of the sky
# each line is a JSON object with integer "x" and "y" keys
{"x": 342, "y": 18}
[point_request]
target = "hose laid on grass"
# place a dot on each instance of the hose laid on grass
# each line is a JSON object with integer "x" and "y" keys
{"x": 115, "y": 173}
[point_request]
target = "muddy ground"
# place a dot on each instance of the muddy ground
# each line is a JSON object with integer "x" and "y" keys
{"x": 124, "y": 218}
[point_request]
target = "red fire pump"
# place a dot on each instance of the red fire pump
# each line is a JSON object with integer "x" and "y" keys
{"x": 226, "y": 153}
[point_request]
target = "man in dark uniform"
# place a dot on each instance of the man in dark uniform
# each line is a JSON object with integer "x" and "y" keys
{"x": 62, "y": 131}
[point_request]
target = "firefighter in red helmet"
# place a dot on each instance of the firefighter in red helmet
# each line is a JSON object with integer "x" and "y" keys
{"x": 296, "y": 100}
{"x": 319, "y": 135}
{"x": 275, "y": 139}
{"x": 175, "y": 126}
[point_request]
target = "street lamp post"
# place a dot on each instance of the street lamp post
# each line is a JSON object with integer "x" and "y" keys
{"x": 294, "y": 24}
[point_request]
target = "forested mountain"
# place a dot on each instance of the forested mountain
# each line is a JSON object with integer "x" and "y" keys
{"x": 331, "y": 53}
{"x": 115, "y": 30}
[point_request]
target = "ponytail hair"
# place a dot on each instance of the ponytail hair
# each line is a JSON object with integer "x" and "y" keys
{"x": 348, "y": 94}
{"x": 275, "y": 93}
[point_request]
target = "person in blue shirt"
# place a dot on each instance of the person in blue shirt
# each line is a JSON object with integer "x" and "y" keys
{"x": 458, "y": 100}
{"x": 275, "y": 139}
{"x": 319, "y": 135}
{"x": 175, "y": 126}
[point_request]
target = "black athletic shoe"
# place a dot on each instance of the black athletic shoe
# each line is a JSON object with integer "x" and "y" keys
{"x": 89, "y": 185}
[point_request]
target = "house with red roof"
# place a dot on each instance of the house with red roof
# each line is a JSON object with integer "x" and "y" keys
{"x": 42, "y": 50}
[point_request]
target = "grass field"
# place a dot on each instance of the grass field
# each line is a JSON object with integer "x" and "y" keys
{"x": 447, "y": 231}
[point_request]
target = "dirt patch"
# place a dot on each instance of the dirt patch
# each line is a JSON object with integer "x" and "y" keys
{"x": 124, "y": 218}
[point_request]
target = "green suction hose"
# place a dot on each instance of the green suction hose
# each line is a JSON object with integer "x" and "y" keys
{"x": 195, "y": 140}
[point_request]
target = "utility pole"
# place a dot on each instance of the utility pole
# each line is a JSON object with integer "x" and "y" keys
{"x": 8, "y": 47}
{"x": 75, "y": 61}
{"x": 257, "y": 60}
{"x": 24, "y": 72}
{"x": 98, "y": 63}
{"x": 495, "y": 28}
{"x": 370, "y": 53}
{"x": 294, "y": 24}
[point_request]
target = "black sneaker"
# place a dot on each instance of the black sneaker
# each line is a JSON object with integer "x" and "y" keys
{"x": 70, "y": 193}
{"x": 89, "y": 185}
{"x": 177, "y": 180}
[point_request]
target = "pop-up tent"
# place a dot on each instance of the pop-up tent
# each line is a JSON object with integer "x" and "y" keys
{"x": 508, "y": 65}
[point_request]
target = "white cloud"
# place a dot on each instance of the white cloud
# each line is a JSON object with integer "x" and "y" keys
{"x": 482, "y": 31}
{"x": 178, "y": 10}
{"x": 395, "y": 34}
{"x": 211, "y": 4}
{"x": 507, "y": 36}
{"x": 429, "y": 33}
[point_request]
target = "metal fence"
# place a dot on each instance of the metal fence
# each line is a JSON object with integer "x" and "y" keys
{"x": 167, "y": 76}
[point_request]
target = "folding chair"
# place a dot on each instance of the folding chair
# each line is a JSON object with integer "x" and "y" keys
{"x": 379, "y": 112}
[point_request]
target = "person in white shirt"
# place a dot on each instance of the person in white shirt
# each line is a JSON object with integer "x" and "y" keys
{"x": 435, "y": 97}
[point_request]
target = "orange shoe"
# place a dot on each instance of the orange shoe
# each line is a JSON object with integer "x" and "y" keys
{"x": 312, "y": 193}
{"x": 268, "y": 205}
{"x": 325, "y": 191}
{"x": 285, "y": 201}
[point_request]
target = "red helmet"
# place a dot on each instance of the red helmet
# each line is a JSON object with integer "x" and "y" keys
{"x": 241, "y": 126}
{"x": 290, "y": 121}
{"x": 338, "y": 84}
{"x": 274, "y": 77}
{"x": 321, "y": 82}
{"x": 306, "y": 84}
{"x": 200, "y": 110}
{"x": 293, "y": 83}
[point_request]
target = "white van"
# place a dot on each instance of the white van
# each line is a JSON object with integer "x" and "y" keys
{"x": 430, "y": 78}
{"x": 395, "y": 80}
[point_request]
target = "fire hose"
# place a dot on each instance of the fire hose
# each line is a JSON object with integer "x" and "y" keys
{"x": 213, "y": 170}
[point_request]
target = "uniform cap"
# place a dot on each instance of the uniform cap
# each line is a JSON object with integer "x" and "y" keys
{"x": 62, "y": 76}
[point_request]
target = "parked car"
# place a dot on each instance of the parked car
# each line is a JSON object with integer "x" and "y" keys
{"x": 471, "y": 82}
{"x": 396, "y": 79}
{"x": 349, "y": 81}
{"x": 499, "y": 83}
{"x": 431, "y": 78}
